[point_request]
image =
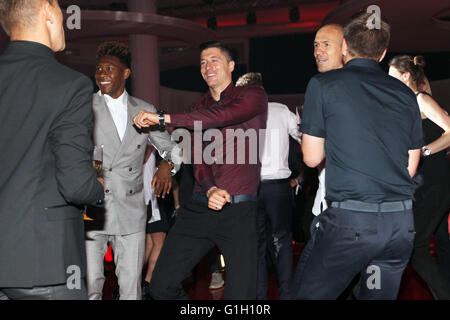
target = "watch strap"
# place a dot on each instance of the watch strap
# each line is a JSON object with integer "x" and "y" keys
{"x": 161, "y": 114}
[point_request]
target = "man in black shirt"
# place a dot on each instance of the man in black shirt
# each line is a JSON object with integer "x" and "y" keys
{"x": 368, "y": 125}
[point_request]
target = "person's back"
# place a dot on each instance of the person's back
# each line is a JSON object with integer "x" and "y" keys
{"x": 368, "y": 126}
{"x": 274, "y": 160}
{"x": 47, "y": 174}
{"x": 376, "y": 132}
{"x": 31, "y": 111}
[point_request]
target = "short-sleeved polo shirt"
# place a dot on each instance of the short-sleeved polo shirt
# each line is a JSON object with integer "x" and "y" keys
{"x": 369, "y": 121}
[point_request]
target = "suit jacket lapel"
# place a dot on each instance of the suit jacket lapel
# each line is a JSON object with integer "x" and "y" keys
{"x": 130, "y": 131}
{"x": 106, "y": 121}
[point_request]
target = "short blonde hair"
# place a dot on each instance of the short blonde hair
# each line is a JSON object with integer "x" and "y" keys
{"x": 19, "y": 13}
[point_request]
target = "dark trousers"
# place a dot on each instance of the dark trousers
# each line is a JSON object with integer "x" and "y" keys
{"x": 347, "y": 243}
{"x": 275, "y": 203}
{"x": 430, "y": 207}
{"x": 197, "y": 230}
{"x": 213, "y": 260}
{"x": 57, "y": 292}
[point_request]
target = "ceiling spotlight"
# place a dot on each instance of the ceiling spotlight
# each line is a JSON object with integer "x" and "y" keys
{"x": 251, "y": 18}
{"x": 294, "y": 14}
{"x": 212, "y": 22}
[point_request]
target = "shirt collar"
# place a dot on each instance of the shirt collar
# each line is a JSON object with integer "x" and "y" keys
{"x": 31, "y": 47}
{"x": 363, "y": 62}
{"x": 122, "y": 99}
{"x": 224, "y": 94}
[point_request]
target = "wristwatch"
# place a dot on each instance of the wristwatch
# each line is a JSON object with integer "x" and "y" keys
{"x": 172, "y": 167}
{"x": 161, "y": 119}
{"x": 425, "y": 151}
{"x": 171, "y": 164}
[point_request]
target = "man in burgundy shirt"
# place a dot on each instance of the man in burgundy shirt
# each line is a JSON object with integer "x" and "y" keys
{"x": 223, "y": 208}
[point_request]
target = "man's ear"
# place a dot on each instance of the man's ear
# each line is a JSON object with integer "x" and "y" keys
{"x": 231, "y": 66}
{"x": 344, "y": 47}
{"x": 126, "y": 73}
{"x": 46, "y": 10}
{"x": 382, "y": 55}
{"x": 345, "y": 52}
{"x": 406, "y": 76}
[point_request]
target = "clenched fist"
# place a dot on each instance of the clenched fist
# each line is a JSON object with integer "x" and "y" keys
{"x": 145, "y": 119}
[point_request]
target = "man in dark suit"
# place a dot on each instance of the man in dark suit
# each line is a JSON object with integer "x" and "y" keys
{"x": 47, "y": 174}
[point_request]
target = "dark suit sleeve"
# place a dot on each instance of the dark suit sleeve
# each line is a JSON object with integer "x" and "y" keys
{"x": 71, "y": 142}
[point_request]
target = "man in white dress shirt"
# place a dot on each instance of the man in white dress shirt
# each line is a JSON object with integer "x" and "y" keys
{"x": 275, "y": 196}
{"x": 123, "y": 221}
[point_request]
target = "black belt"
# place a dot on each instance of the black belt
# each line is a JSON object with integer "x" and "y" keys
{"x": 235, "y": 198}
{"x": 277, "y": 181}
{"x": 373, "y": 207}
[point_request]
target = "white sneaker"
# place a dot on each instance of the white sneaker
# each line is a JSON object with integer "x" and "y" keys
{"x": 216, "y": 280}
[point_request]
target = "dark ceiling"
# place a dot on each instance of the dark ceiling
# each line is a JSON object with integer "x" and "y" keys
{"x": 187, "y": 9}
{"x": 274, "y": 40}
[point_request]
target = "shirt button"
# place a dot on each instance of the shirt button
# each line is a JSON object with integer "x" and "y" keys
{"x": 107, "y": 190}
{"x": 139, "y": 146}
{"x": 110, "y": 169}
{"x": 130, "y": 169}
{"x": 131, "y": 191}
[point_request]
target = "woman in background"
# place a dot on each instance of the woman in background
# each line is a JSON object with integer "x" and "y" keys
{"x": 432, "y": 198}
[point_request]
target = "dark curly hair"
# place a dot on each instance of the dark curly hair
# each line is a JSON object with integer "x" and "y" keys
{"x": 115, "y": 49}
